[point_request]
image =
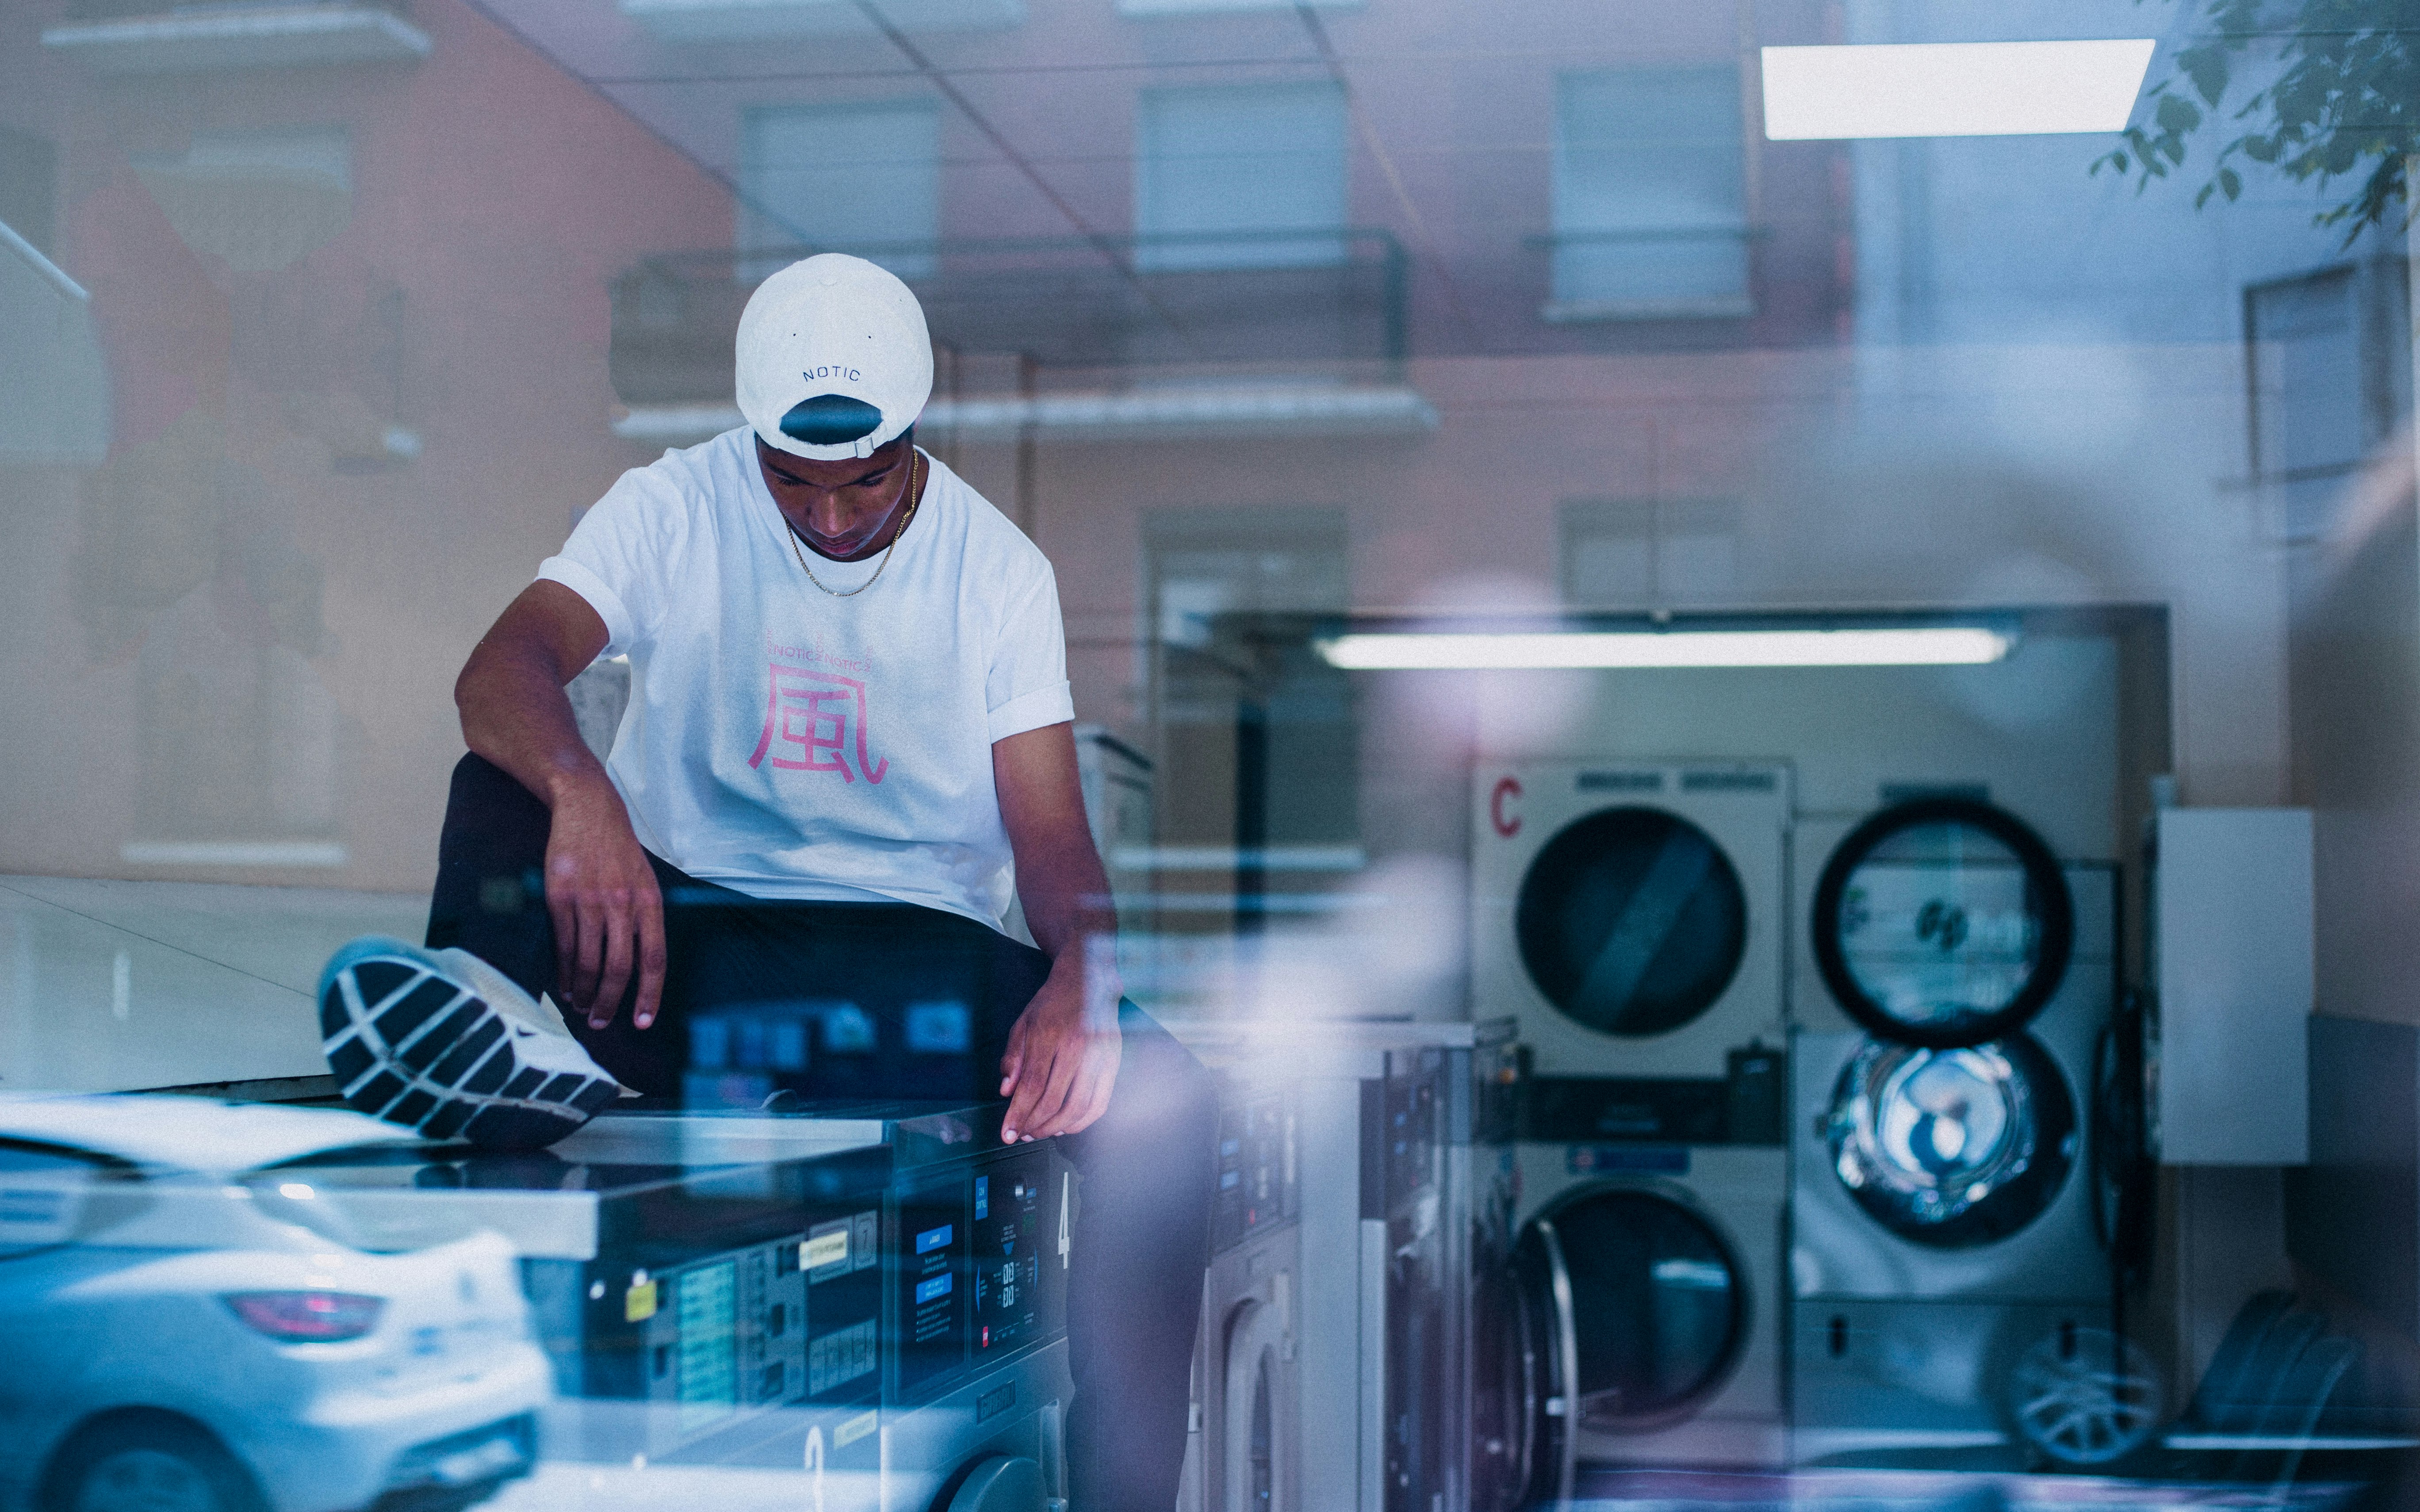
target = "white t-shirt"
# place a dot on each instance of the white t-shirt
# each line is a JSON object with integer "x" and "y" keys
{"x": 786, "y": 743}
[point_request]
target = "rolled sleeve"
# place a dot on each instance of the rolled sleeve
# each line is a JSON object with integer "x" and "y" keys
{"x": 1054, "y": 705}
{"x": 607, "y": 603}
{"x": 1027, "y": 685}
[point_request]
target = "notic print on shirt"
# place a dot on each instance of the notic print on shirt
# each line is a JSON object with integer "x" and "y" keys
{"x": 820, "y": 717}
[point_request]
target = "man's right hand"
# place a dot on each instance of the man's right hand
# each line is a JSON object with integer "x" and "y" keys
{"x": 608, "y": 918}
{"x": 609, "y": 915}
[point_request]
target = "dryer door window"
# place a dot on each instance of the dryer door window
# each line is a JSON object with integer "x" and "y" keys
{"x": 1952, "y": 1148}
{"x": 1645, "y": 1304}
{"x": 1631, "y": 922}
{"x": 1942, "y": 922}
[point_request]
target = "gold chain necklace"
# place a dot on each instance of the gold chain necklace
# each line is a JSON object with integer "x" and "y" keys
{"x": 907, "y": 491}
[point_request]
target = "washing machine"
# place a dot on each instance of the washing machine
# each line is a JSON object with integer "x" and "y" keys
{"x": 978, "y": 1239}
{"x": 1951, "y": 1289}
{"x": 872, "y": 1300}
{"x": 1629, "y": 916}
{"x": 1406, "y": 1368}
{"x": 1244, "y": 1454}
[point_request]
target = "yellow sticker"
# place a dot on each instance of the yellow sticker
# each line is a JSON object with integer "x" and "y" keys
{"x": 824, "y": 1249}
{"x": 855, "y": 1429}
{"x": 639, "y": 1302}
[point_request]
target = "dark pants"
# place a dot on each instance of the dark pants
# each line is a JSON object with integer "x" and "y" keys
{"x": 1134, "y": 1280}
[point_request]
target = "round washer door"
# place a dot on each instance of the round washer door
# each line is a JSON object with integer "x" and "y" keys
{"x": 1952, "y": 1149}
{"x": 1631, "y": 921}
{"x": 1257, "y": 1422}
{"x": 1640, "y": 1308}
{"x": 1001, "y": 1483}
{"x": 1942, "y": 922}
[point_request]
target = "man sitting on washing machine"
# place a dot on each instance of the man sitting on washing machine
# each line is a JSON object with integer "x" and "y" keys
{"x": 849, "y": 747}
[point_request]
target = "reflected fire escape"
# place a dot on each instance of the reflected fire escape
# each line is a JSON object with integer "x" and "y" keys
{"x": 1077, "y": 338}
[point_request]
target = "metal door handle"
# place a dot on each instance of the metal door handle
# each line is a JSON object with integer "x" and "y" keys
{"x": 1567, "y": 1337}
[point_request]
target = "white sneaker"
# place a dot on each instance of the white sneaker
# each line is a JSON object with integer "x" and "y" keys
{"x": 444, "y": 1043}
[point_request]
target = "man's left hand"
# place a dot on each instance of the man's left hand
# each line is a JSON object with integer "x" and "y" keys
{"x": 1062, "y": 1057}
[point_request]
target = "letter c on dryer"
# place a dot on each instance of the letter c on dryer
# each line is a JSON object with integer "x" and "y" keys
{"x": 1507, "y": 790}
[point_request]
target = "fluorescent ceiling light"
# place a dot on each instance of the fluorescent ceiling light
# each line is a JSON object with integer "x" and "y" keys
{"x": 1927, "y": 646}
{"x": 1952, "y": 88}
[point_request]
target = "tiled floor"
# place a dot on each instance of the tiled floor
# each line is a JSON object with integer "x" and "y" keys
{"x": 110, "y": 985}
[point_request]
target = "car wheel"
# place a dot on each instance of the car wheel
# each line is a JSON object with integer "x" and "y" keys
{"x": 2085, "y": 1397}
{"x": 149, "y": 1462}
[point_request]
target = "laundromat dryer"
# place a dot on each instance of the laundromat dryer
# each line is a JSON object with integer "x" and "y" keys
{"x": 873, "y": 1299}
{"x": 1951, "y": 1286}
{"x": 1629, "y": 916}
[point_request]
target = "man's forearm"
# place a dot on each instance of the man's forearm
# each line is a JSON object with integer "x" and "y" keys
{"x": 1067, "y": 898}
{"x": 516, "y": 713}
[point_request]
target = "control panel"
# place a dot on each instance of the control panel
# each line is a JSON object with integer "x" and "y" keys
{"x": 1257, "y": 1184}
{"x": 979, "y": 1257}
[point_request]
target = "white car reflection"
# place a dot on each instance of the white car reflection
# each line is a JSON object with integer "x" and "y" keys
{"x": 191, "y": 1326}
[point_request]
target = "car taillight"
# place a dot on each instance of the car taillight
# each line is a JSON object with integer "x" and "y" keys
{"x": 307, "y": 1317}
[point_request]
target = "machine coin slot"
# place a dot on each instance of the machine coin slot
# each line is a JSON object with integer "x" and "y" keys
{"x": 1620, "y": 782}
{"x": 1837, "y": 1337}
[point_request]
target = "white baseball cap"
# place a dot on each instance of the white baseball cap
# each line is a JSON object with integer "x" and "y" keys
{"x": 833, "y": 358}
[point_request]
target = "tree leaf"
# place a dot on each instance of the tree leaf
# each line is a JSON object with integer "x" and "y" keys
{"x": 2337, "y": 96}
{"x": 2206, "y": 68}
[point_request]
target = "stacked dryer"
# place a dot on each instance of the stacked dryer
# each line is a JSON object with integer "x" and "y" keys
{"x": 1951, "y": 1289}
{"x": 1630, "y": 916}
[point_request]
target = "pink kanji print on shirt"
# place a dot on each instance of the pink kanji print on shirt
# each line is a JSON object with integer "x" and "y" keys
{"x": 823, "y": 716}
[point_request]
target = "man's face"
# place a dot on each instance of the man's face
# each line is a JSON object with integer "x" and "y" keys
{"x": 841, "y": 508}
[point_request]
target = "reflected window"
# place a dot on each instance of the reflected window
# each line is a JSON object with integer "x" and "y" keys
{"x": 242, "y": 745}
{"x": 2329, "y": 367}
{"x": 1241, "y": 176}
{"x": 1257, "y": 762}
{"x": 1627, "y": 554}
{"x": 257, "y": 201}
{"x": 29, "y": 174}
{"x": 1650, "y": 196}
{"x": 863, "y": 177}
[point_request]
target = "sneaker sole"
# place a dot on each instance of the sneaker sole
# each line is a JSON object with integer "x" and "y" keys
{"x": 412, "y": 1046}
